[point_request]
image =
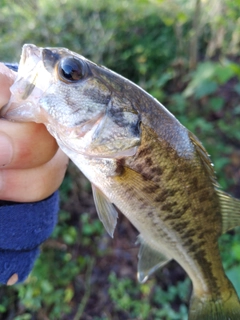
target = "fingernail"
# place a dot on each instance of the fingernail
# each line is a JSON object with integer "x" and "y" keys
{"x": 6, "y": 150}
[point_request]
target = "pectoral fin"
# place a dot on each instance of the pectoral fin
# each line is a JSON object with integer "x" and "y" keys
{"x": 105, "y": 209}
{"x": 149, "y": 260}
{"x": 230, "y": 210}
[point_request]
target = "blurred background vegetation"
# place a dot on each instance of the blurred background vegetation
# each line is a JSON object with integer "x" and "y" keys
{"x": 186, "y": 54}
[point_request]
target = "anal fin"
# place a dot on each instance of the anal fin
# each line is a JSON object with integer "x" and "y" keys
{"x": 107, "y": 213}
{"x": 149, "y": 260}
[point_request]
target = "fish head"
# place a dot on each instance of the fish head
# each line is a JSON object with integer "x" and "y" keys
{"x": 77, "y": 100}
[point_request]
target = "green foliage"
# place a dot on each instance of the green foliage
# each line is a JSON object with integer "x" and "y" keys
{"x": 48, "y": 286}
{"x": 204, "y": 98}
{"x": 209, "y": 76}
{"x": 147, "y": 301}
{"x": 230, "y": 258}
{"x": 147, "y": 41}
{"x": 130, "y": 298}
{"x": 90, "y": 228}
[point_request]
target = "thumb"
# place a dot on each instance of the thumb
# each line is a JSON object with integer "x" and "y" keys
{"x": 7, "y": 78}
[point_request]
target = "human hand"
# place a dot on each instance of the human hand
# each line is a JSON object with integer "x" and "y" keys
{"x": 32, "y": 166}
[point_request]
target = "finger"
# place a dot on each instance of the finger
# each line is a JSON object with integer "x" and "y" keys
{"x": 7, "y": 78}
{"x": 34, "y": 184}
{"x": 25, "y": 145}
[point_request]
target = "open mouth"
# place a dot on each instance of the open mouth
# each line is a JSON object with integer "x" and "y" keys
{"x": 24, "y": 85}
{"x": 30, "y": 56}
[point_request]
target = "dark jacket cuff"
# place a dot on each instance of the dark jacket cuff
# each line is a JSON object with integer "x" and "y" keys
{"x": 23, "y": 227}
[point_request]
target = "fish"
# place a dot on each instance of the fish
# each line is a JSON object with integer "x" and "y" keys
{"x": 140, "y": 161}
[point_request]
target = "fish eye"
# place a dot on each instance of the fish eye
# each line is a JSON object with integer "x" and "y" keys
{"x": 71, "y": 69}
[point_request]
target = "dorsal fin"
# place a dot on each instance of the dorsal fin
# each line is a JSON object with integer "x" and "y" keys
{"x": 204, "y": 156}
{"x": 107, "y": 213}
{"x": 230, "y": 211}
{"x": 230, "y": 207}
{"x": 149, "y": 260}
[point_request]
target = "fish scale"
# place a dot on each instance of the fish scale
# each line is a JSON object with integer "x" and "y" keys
{"x": 139, "y": 159}
{"x": 177, "y": 203}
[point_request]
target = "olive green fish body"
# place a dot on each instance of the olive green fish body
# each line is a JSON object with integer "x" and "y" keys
{"x": 170, "y": 210}
{"x": 153, "y": 190}
{"x": 139, "y": 159}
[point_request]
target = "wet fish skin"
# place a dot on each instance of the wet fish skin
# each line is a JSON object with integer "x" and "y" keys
{"x": 139, "y": 158}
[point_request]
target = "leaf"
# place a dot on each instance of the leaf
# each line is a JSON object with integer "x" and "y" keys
{"x": 216, "y": 103}
{"x": 164, "y": 79}
{"x": 205, "y": 70}
{"x": 235, "y": 68}
{"x": 236, "y": 251}
{"x": 237, "y": 88}
{"x": 200, "y": 78}
{"x": 206, "y": 88}
{"x": 223, "y": 73}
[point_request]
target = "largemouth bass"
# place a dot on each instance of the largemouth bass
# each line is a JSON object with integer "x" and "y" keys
{"x": 139, "y": 159}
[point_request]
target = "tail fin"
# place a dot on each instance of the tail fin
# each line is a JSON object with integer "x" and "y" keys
{"x": 203, "y": 309}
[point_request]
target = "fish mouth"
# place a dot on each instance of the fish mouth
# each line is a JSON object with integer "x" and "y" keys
{"x": 32, "y": 55}
{"x": 32, "y": 52}
{"x": 18, "y": 107}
